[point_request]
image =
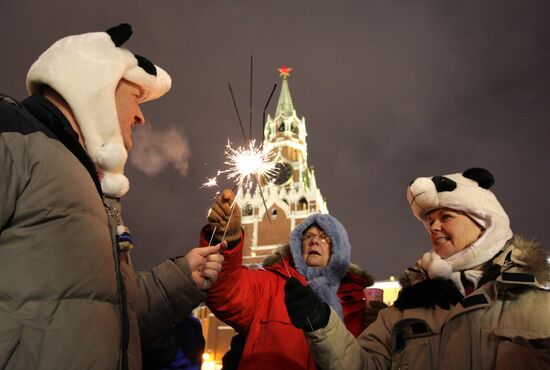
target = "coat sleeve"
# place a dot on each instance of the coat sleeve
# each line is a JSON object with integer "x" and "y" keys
{"x": 167, "y": 295}
{"x": 334, "y": 347}
{"x": 239, "y": 292}
{"x": 10, "y": 182}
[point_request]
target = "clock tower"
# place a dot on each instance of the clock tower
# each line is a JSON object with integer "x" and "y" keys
{"x": 293, "y": 194}
{"x": 291, "y": 197}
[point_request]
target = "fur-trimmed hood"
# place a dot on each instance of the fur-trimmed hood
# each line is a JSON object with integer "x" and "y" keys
{"x": 324, "y": 281}
{"x": 341, "y": 248}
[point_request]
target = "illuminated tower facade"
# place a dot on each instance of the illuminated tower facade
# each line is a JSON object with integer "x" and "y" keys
{"x": 293, "y": 194}
{"x": 291, "y": 197}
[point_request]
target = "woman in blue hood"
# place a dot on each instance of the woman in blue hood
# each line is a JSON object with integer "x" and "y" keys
{"x": 253, "y": 301}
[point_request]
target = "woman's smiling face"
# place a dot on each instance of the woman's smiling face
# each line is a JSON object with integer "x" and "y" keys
{"x": 451, "y": 231}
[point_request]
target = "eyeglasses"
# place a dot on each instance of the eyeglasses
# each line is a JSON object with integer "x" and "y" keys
{"x": 323, "y": 238}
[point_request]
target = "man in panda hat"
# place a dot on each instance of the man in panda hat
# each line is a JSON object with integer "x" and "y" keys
{"x": 69, "y": 297}
{"x": 476, "y": 300}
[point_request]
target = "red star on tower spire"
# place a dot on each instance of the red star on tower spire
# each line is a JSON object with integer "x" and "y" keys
{"x": 284, "y": 71}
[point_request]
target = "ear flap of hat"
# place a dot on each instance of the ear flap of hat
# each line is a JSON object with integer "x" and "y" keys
{"x": 483, "y": 177}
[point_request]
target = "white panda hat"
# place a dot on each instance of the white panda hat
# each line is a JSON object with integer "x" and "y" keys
{"x": 85, "y": 70}
{"x": 467, "y": 192}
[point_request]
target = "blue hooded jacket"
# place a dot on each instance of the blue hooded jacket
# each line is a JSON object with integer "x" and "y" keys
{"x": 325, "y": 281}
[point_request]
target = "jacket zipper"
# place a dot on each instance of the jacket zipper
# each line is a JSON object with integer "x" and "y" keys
{"x": 113, "y": 215}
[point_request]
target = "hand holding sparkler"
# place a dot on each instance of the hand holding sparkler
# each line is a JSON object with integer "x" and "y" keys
{"x": 205, "y": 264}
{"x": 224, "y": 218}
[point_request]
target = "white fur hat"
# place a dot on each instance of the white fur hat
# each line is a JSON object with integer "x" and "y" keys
{"x": 86, "y": 69}
{"x": 467, "y": 192}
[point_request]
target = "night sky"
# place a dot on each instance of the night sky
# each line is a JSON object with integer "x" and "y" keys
{"x": 390, "y": 91}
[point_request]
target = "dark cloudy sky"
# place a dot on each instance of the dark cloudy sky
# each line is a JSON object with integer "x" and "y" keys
{"x": 391, "y": 90}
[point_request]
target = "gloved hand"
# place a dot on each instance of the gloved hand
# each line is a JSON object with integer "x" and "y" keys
{"x": 305, "y": 309}
{"x": 218, "y": 218}
{"x": 371, "y": 312}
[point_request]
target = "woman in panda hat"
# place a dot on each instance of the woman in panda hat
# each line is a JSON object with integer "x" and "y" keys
{"x": 476, "y": 300}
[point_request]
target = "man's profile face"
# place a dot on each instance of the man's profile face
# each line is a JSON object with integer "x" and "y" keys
{"x": 127, "y": 96}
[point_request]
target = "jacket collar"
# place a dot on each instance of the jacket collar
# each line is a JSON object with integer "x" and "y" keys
{"x": 51, "y": 117}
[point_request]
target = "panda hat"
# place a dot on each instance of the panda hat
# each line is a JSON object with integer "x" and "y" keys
{"x": 467, "y": 192}
{"x": 85, "y": 70}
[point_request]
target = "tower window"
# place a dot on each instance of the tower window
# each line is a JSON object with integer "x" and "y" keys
{"x": 282, "y": 127}
{"x": 294, "y": 128}
{"x": 247, "y": 210}
{"x": 274, "y": 214}
{"x": 302, "y": 204}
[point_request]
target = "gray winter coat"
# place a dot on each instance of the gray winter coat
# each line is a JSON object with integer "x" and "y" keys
{"x": 504, "y": 324}
{"x": 69, "y": 297}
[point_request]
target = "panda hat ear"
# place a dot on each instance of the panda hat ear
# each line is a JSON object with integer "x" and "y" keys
{"x": 483, "y": 177}
{"x": 120, "y": 34}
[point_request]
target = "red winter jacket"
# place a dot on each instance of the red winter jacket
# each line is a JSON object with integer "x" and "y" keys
{"x": 252, "y": 301}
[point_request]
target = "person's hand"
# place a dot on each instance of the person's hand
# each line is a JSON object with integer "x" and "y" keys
{"x": 205, "y": 264}
{"x": 305, "y": 309}
{"x": 219, "y": 217}
{"x": 371, "y": 312}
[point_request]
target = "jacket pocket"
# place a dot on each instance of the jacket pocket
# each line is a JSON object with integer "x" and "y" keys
{"x": 520, "y": 353}
{"x": 9, "y": 342}
{"x": 413, "y": 344}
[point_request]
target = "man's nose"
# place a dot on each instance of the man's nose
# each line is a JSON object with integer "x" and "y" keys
{"x": 139, "y": 119}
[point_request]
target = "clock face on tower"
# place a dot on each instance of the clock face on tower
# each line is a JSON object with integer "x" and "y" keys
{"x": 284, "y": 172}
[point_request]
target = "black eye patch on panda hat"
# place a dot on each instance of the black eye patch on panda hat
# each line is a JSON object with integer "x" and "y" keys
{"x": 443, "y": 183}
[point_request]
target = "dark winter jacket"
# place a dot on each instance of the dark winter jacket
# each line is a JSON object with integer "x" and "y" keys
{"x": 252, "y": 301}
{"x": 503, "y": 324}
{"x": 69, "y": 297}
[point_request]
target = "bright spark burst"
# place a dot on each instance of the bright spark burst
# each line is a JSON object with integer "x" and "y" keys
{"x": 211, "y": 182}
{"x": 246, "y": 163}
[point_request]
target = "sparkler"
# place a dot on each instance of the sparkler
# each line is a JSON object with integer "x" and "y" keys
{"x": 244, "y": 165}
{"x": 210, "y": 182}
{"x": 247, "y": 163}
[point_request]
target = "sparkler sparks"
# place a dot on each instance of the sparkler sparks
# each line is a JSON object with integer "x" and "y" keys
{"x": 211, "y": 182}
{"x": 245, "y": 163}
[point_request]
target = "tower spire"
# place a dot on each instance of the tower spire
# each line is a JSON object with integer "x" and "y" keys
{"x": 285, "y": 106}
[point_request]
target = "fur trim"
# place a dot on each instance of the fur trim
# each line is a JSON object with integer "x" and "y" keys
{"x": 530, "y": 258}
{"x": 277, "y": 256}
{"x": 359, "y": 272}
{"x": 85, "y": 70}
{"x": 463, "y": 192}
